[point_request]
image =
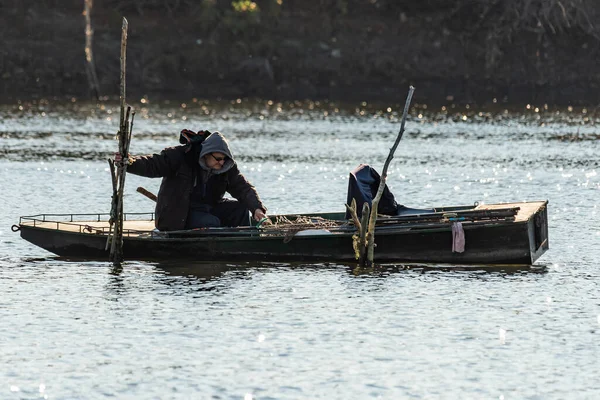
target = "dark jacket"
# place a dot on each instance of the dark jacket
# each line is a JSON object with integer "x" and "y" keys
{"x": 181, "y": 170}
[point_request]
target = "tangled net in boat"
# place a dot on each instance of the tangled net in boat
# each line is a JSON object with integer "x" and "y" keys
{"x": 288, "y": 228}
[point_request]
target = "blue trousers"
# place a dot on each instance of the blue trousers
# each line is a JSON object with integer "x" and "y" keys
{"x": 227, "y": 213}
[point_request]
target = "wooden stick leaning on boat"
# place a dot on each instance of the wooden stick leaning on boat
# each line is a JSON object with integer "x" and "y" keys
{"x": 373, "y": 217}
{"x": 358, "y": 250}
{"x": 363, "y": 234}
{"x": 124, "y": 137}
{"x": 117, "y": 244}
{"x": 113, "y": 207}
{"x": 359, "y": 238}
{"x": 147, "y": 193}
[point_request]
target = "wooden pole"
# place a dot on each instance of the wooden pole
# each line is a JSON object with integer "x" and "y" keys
{"x": 147, "y": 193}
{"x": 363, "y": 236}
{"x": 90, "y": 68}
{"x": 356, "y": 239}
{"x": 375, "y": 204}
{"x": 124, "y": 137}
{"x": 113, "y": 208}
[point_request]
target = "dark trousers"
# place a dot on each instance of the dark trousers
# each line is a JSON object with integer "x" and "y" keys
{"x": 228, "y": 212}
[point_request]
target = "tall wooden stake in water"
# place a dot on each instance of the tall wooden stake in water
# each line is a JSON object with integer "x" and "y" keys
{"x": 124, "y": 137}
{"x": 364, "y": 239}
{"x": 90, "y": 68}
{"x": 375, "y": 204}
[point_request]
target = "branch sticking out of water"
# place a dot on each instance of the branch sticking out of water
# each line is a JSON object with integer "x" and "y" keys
{"x": 375, "y": 204}
{"x": 124, "y": 136}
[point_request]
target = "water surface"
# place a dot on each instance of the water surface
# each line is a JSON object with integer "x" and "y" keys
{"x": 288, "y": 331}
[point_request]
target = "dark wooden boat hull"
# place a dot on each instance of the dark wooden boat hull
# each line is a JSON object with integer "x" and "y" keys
{"x": 493, "y": 242}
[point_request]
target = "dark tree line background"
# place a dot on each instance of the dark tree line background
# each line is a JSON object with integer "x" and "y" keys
{"x": 466, "y": 51}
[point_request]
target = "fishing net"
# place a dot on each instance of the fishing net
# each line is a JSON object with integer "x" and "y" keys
{"x": 288, "y": 227}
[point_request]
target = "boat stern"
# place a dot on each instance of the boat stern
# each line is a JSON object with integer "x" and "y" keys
{"x": 538, "y": 232}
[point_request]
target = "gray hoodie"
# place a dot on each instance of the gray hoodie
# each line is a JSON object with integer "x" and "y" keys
{"x": 216, "y": 143}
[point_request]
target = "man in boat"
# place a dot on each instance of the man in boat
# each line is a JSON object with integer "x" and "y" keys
{"x": 196, "y": 176}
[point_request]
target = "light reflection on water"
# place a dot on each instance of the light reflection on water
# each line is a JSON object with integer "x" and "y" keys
{"x": 295, "y": 330}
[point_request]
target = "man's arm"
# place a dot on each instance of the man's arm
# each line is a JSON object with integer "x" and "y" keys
{"x": 243, "y": 191}
{"x": 157, "y": 165}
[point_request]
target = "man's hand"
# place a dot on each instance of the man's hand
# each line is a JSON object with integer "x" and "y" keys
{"x": 259, "y": 214}
{"x": 119, "y": 160}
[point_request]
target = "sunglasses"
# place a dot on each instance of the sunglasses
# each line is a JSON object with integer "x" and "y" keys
{"x": 218, "y": 159}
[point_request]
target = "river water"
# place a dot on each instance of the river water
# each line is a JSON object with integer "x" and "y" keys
{"x": 71, "y": 330}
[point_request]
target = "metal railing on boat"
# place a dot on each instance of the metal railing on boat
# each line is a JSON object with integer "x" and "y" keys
{"x": 81, "y": 222}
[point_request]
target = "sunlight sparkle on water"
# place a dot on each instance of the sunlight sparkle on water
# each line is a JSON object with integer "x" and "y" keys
{"x": 502, "y": 335}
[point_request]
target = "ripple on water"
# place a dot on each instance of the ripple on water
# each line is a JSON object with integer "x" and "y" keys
{"x": 166, "y": 330}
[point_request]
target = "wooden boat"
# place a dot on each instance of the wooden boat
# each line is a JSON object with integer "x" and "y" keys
{"x": 508, "y": 233}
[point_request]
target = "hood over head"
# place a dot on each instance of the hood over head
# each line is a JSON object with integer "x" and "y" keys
{"x": 216, "y": 143}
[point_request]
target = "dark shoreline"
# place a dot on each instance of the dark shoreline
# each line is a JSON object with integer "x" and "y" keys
{"x": 367, "y": 54}
{"x": 386, "y": 96}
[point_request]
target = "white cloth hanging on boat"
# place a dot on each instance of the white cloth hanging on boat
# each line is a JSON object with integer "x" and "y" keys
{"x": 458, "y": 238}
{"x": 309, "y": 232}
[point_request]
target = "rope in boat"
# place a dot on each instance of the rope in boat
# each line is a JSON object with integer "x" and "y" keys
{"x": 289, "y": 228}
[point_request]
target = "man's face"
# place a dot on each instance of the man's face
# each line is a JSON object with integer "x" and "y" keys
{"x": 215, "y": 160}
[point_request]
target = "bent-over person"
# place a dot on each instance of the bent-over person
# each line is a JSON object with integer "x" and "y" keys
{"x": 196, "y": 177}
